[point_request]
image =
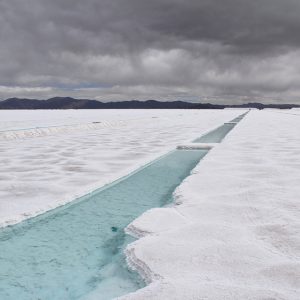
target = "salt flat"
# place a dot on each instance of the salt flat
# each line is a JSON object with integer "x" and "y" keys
{"x": 42, "y": 168}
{"x": 235, "y": 231}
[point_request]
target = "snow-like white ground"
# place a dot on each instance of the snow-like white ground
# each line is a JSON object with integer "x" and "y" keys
{"x": 235, "y": 231}
{"x": 42, "y": 168}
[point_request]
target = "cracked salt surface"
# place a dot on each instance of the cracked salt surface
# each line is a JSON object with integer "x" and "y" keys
{"x": 41, "y": 172}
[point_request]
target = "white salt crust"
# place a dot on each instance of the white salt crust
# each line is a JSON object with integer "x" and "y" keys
{"x": 234, "y": 230}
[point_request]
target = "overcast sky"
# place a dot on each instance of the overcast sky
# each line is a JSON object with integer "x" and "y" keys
{"x": 214, "y": 50}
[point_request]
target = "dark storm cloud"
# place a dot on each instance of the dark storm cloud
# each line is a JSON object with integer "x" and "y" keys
{"x": 146, "y": 49}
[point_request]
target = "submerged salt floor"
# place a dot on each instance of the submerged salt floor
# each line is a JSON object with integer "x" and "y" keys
{"x": 41, "y": 172}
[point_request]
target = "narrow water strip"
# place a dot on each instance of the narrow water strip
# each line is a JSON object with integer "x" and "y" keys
{"x": 218, "y": 134}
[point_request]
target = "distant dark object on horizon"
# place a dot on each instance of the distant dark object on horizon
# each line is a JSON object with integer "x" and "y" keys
{"x": 71, "y": 103}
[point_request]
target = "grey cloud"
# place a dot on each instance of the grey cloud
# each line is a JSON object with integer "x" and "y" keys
{"x": 167, "y": 49}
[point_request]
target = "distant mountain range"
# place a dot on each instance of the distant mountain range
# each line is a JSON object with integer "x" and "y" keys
{"x": 71, "y": 103}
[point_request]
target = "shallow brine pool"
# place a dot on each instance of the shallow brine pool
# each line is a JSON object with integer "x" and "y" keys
{"x": 75, "y": 252}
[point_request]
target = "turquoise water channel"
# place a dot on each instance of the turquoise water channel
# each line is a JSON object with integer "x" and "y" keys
{"x": 76, "y": 251}
{"x": 218, "y": 134}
